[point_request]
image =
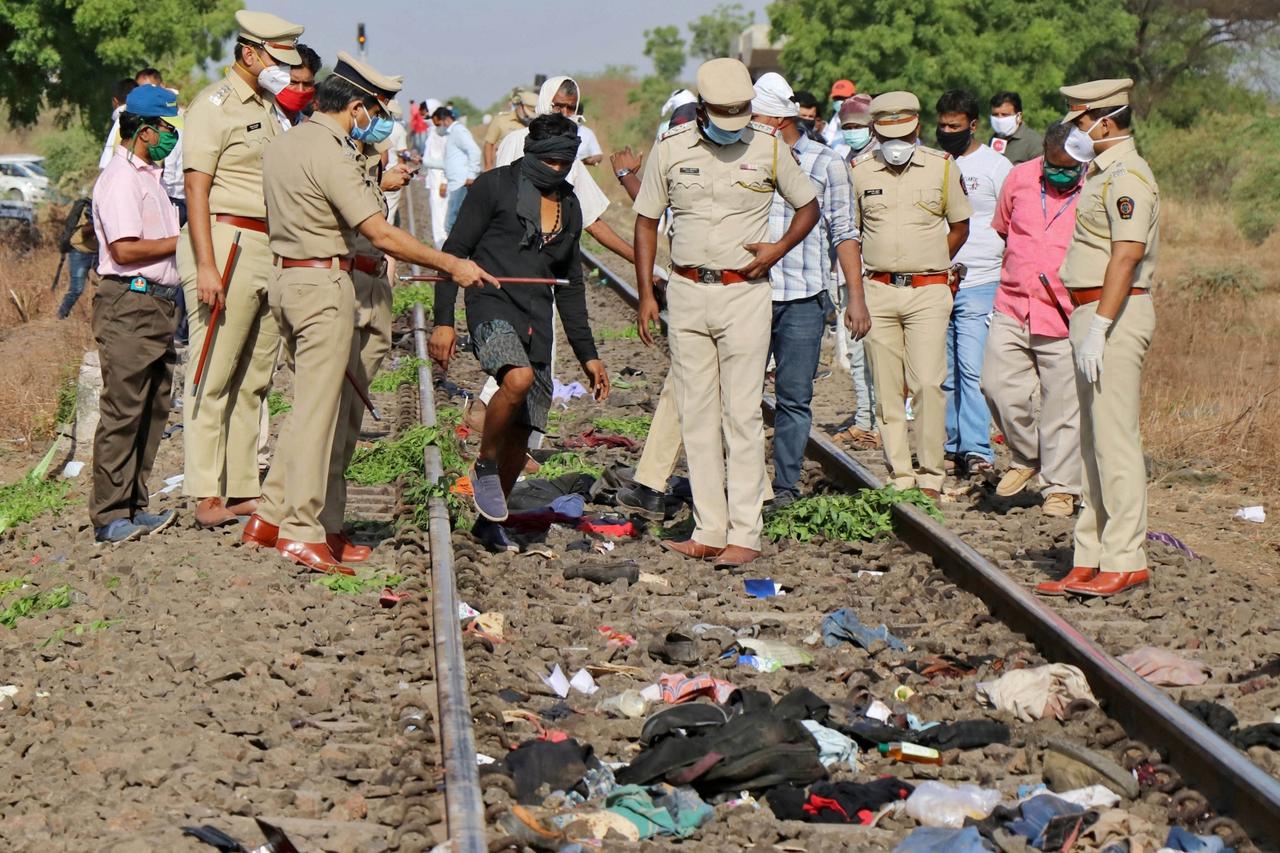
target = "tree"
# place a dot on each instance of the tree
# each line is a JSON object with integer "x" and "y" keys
{"x": 463, "y": 107}
{"x": 928, "y": 46}
{"x": 716, "y": 33}
{"x": 65, "y": 55}
{"x": 665, "y": 48}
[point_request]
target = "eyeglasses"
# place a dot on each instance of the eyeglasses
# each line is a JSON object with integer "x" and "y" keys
{"x": 565, "y": 107}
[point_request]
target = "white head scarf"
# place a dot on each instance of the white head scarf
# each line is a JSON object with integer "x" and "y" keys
{"x": 548, "y": 93}
{"x": 773, "y": 97}
{"x": 678, "y": 98}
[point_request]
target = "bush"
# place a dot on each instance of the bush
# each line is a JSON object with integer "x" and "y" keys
{"x": 71, "y": 158}
{"x": 1255, "y": 196}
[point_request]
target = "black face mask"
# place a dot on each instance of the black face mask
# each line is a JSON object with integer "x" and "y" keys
{"x": 806, "y": 125}
{"x": 542, "y": 176}
{"x": 954, "y": 142}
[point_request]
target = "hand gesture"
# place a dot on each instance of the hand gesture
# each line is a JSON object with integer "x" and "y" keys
{"x": 625, "y": 159}
{"x": 469, "y": 274}
{"x": 442, "y": 346}
{"x": 599, "y": 378}
{"x": 767, "y": 254}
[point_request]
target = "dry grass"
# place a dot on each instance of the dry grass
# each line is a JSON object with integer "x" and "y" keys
{"x": 1211, "y": 387}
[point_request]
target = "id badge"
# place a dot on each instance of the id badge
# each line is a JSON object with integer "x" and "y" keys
{"x": 138, "y": 284}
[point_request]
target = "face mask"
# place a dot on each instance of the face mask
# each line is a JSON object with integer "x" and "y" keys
{"x": 806, "y": 125}
{"x": 542, "y": 176}
{"x": 382, "y": 127}
{"x": 1080, "y": 144}
{"x": 291, "y": 100}
{"x": 897, "y": 152}
{"x": 719, "y": 135}
{"x": 857, "y": 138}
{"x": 442, "y": 130}
{"x": 1062, "y": 177}
{"x": 164, "y": 146}
{"x": 274, "y": 79}
{"x": 954, "y": 142}
{"x": 361, "y": 134}
{"x": 1004, "y": 125}
{"x": 836, "y": 104}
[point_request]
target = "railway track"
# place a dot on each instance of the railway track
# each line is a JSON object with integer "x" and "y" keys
{"x": 1207, "y": 784}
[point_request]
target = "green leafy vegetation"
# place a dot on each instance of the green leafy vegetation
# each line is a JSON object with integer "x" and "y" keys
{"x": 392, "y": 458}
{"x": 636, "y": 426}
{"x": 8, "y": 585}
{"x": 65, "y": 412}
{"x": 567, "y": 463}
{"x": 278, "y": 404}
{"x": 359, "y": 584}
{"x": 404, "y": 373}
{"x": 35, "y": 603}
{"x": 79, "y": 630}
{"x": 408, "y": 295}
{"x": 32, "y": 496}
{"x": 1220, "y": 282}
{"x": 844, "y": 517}
{"x": 625, "y": 333}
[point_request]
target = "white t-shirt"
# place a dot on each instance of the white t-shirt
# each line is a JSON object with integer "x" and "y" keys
{"x": 589, "y": 146}
{"x": 983, "y": 173}
{"x": 591, "y": 198}
{"x": 113, "y": 139}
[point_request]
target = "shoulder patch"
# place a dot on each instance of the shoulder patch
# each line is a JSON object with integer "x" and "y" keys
{"x": 862, "y": 158}
{"x": 218, "y": 95}
{"x": 760, "y": 128}
{"x": 1124, "y": 206}
{"x": 1118, "y": 169}
{"x": 934, "y": 151}
{"x": 678, "y": 129}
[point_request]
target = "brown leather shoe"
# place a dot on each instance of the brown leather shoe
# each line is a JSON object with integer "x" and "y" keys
{"x": 243, "y": 506}
{"x": 345, "y": 550}
{"x": 316, "y": 556}
{"x": 212, "y": 512}
{"x": 1078, "y": 574}
{"x": 932, "y": 494}
{"x": 259, "y": 533}
{"x": 691, "y": 548}
{"x": 1110, "y": 583}
{"x": 735, "y": 557}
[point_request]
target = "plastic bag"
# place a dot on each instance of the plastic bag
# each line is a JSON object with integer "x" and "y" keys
{"x": 939, "y": 804}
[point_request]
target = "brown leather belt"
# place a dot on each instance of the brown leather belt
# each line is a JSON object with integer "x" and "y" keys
{"x": 248, "y": 223}
{"x": 374, "y": 265}
{"x": 344, "y": 264}
{"x": 1086, "y": 295}
{"x": 703, "y": 275}
{"x": 907, "y": 279}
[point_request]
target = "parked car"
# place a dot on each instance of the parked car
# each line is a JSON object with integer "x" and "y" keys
{"x": 22, "y": 178}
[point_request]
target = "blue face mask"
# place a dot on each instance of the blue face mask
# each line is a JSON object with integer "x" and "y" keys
{"x": 382, "y": 127}
{"x": 361, "y": 134}
{"x": 856, "y": 138}
{"x": 719, "y": 135}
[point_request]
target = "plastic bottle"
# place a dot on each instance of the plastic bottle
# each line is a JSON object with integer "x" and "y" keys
{"x": 911, "y": 753}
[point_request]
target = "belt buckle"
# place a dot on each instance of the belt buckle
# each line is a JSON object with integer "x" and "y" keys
{"x": 706, "y": 276}
{"x": 138, "y": 284}
{"x": 902, "y": 279}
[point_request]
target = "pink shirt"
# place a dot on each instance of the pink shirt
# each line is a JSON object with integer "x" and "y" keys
{"x": 129, "y": 201}
{"x": 1036, "y": 225}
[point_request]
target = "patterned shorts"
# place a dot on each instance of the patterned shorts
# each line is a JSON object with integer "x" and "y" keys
{"x": 498, "y": 347}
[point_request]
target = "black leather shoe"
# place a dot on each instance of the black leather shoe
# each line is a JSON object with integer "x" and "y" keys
{"x": 643, "y": 500}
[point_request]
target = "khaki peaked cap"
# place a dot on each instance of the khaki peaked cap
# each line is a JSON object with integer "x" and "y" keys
{"x": 1094, "y": 95}
{"x": 367, "y": 78}
{"x": 725, "y": 84}
{"x": 277, "y": 36}
{"x": 895, "y": 114}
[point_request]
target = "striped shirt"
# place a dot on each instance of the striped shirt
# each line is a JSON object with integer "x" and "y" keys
{"x": 807, "y": 269}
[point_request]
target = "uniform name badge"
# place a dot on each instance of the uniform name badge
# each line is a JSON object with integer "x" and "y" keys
{"x": 138, "y": 284}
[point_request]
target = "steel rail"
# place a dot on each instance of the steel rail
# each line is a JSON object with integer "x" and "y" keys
{"x": 1232, "y": 783}
{"x": 464, "y": 801}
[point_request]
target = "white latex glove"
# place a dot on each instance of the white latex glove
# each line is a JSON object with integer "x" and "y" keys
{"x": 1089, "y": 355}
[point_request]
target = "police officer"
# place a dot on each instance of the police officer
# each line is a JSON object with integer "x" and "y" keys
{"x": 914, "y": 218}
{"x": 718, "y": 176}
{"x": 318, "y": 193}
{"x": 227, "y": 127}
{"x": 524, "y": 106}
{"x": 1108, "y": 271}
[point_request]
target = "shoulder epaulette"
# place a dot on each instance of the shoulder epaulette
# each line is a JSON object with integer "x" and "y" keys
{"x": 218, "y": 95}
{"x": 863, "y": 157}
{"x": 934, "y": 151}
{"x": 678, "y": 129}
{"x": 763, "y": 128}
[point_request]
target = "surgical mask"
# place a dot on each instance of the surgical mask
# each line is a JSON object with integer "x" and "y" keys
{"x": 274, "y": 79}
{"x": 719, "y": 135}
{"x": 1080, "y": 144}
{"x": 857, "y": 138}
{"x": 164, "y": 146}
{"x": 382, "y": 127}
{"x": 1062, "y": 178}
{"x": 1004, "y": 125}
{"x": 361, "y": 134}
{"x": 954, "y": 142}
{"x": 836, "y": 104}
{"x": 294, "y": 101}
{"x": 897, "y": 152}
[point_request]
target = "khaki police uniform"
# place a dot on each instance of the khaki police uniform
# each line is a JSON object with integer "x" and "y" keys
{"x": 719, "y": 332}
{"x": 227, "y": 127}
{"x": 1119, "y": 201}
{"x": 501, "y": 125}
{"x": 905, "y": 217}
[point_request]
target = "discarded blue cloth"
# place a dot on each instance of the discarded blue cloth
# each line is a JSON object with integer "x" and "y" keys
{"x": 1181, "y": 839}
{"x": 1036, "y": 814}
{"x": 659, "y": 810}
{"x": 941, "y": 839}
{"x": 760, "y": 587}
{"x": 844, "y": 625}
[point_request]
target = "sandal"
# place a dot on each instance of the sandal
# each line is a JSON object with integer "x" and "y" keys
{"x": 858, "y": 438}
{"x": 675, "y": 648}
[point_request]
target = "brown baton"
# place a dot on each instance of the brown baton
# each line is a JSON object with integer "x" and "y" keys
{"x": 1048, "y": 289}
{"x": 215, "y": 313}
{"x": 364, "y": 397}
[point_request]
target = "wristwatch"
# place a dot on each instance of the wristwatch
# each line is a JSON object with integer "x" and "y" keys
{"x": 622, "y": 173}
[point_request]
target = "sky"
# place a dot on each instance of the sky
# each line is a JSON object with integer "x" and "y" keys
{"x": 482, "y": 48}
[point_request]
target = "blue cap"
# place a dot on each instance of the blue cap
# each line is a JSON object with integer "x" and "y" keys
{"x": 152, "y": 102}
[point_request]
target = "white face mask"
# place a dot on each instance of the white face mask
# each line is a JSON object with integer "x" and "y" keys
{"x": 897, "y": 152}
{"x": 1004, "y": 125}
{"x": 1080, "y": 145}
{"x": 274, "y": 79}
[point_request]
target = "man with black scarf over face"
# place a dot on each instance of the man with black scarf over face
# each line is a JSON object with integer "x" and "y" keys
{"x": 521, "y": 220}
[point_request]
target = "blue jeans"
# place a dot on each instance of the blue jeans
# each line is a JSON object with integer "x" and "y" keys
{"x": 456, "y": 198}
{"x": 968, "y": 418}
{"x": 796, "y": 344}
{"x": 79, "y": 263}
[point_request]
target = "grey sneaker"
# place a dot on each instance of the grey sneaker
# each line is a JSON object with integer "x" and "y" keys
{"x": 493, "y": 537}
{"x": 486, "y": 485}
{"x": 154, "y": 522}
{"x": 120, "y": 530}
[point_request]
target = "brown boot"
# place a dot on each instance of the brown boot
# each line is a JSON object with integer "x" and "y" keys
{"x": 1079, "y": 574}
{"x": 736, "y": 557}
{"x": 1110, "y": 583}
{"x": 316, "y": 556}
{"x": 212, "y": 512}
{"x": 345, "y": 550}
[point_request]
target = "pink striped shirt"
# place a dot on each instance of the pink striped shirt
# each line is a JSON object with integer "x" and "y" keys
{"x": 130, "y": 202}
{"x": 1036, "y": 225}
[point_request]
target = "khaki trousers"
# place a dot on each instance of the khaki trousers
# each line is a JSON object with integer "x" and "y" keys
{"x": 316, "y": 310}
{"x": 369, "y": 346}
{"x": 907, "y": 345}
{"x": 719, "y": 336}
{"x": 1020, "y": 369}
{"x": 662, "y": 445}
{"x": 1112, "y": 529}
{"x": 134, "y": 332}
{"x": 220, "y": 431}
